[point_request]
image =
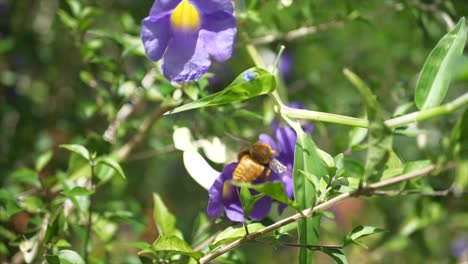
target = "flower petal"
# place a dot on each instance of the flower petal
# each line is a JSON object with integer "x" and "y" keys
{"x": 286, "y": 138}
{"x": 160, "y": 6}
{"x": 270, "y": 141}
{"x": 216, "y": 202}
{"x": 218, "y": 32}
{"x": 235, "y": 212}
{"x": 261, "y": 208}
{"x": 186, "y": 58}
{"x": 155, "y": 34}
{"x": 213, "y": 6}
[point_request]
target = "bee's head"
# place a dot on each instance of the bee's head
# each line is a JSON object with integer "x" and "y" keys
{"x": 262, "y": 152}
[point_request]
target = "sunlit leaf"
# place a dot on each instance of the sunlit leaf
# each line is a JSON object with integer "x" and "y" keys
{"x": 42, "y": 160}
{"x": 436, "y": 73}
{"x": 273, "y": 189}
{"x": 69, "y": 257}
{"x": 174, "y": 244}
{"x": 77, "y": 149}
{"x": 233, "y": 233}
{"x": 165, "y": 220}
{"x": 113, "y": 164}
{"x": 359, "y": 232}
{"x": 251, "y": 83}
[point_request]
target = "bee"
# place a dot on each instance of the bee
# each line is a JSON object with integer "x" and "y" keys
{"x": 256, "y": 162}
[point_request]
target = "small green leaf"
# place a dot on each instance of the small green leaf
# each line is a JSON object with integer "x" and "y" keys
{"x": 172, "y": 244}
{"x": 359, "y": 232}
{"x": 248, "y": 200}
{"x": 78, "y": 191}
{"x": 251, "y": 83}
{"x": 336, "y": 254}
{"x": 77, "y": 149}
{"x": 233, "y": 233}
{"x": 380, "y": 136}
{"x": 42, "y": 160}
{"x": 436, "y": 73}
{"x": 113, "y": 164}
{"x": 273, "y": 189}
{"x": 69, "y": 257}
{"x": 165, "y": 221}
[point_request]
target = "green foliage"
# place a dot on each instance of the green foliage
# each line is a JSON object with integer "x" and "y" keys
{"x": 307, "y": 162}
{"x": 249, "y": 84}
{"x": 80, "y": 103}
{"x": 435, "y": 75}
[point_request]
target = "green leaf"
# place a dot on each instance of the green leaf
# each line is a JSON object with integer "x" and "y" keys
{"x": 26, "y": 176}
{"x": 380, "y": 136}
{"x": 78, "y": 191}
{"x": 273, "y": 189}
{"x": 113, "y": 164}
{"x": 307, "y": 161}
{"x": 77, "y": 149}
{"x": 165, "y": 221}
{"x": 69, "y": 257}
{"x": 251, "y": 83}
{"x": 336, "y": 254}
{"x": 52, "y": 259}
{"x": 42, "y": 160}
{"x": 233, "y": 233}
{"x": 248, "y": 200}
{"x": 359, "y": 232}
{"x": 436, "y": 73}
{"x": 172, "y": 244}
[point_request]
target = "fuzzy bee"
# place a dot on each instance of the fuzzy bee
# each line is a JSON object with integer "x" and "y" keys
{"x": 256, "y": 162}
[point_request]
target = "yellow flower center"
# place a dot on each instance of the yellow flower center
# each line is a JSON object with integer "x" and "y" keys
{"x": 227, "y": 189}
{"x": 185, "y": 16}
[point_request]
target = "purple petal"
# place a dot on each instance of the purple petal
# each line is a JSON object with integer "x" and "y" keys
{"x": 286, "y": 138}
{"x": 218, "y": 32}
{"x": 160, "y": 6}
{"x": 216, "y": 201}
{"x": 155, "y": 34}
{"x": 213, "y": 6}
{"x": 270, "y": 141}
{"x": 186, "y": 58}
{"x": 235, "y": 212}
{"x": 261, "y": 208}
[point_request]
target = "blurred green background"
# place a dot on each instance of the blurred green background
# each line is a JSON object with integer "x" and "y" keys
{"x": 68, "y": 67}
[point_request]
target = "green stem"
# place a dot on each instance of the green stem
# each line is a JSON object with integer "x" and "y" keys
{"x": 90, "y": 211}
{"x": 428, "y": 113}
{"x": 324, "y": 117}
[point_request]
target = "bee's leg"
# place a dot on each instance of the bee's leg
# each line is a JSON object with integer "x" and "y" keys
{"x": 265, "y": 174}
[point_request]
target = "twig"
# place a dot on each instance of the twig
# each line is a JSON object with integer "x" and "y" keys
{"x": 308, "y": 212}
{"x": 442, "y": 193}
{"x": 297, "y": 33}
{"x": 124, "y": 152}
{"x": 90, "y": 212}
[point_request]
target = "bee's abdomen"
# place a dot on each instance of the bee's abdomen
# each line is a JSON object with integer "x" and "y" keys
{"x": 247, "y": 170}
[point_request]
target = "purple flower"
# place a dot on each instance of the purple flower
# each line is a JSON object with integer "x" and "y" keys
{"x": 224, "y": 196}
{"x": 185, "y": 33}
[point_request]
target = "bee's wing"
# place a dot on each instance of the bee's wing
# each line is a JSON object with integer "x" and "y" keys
{"x": 277, "y": 166}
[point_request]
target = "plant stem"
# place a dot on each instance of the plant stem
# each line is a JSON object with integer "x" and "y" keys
{"x": 428, "y": 113}
{"x": 90, "y": 211}
{"x": 392, "y": 123}
{"x": 322, "y": 206}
